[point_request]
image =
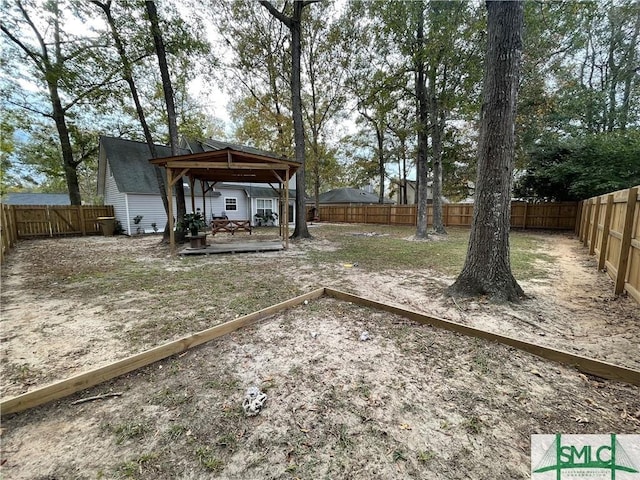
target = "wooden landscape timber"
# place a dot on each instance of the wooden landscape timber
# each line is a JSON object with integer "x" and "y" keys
{"x": 63, "y": 388}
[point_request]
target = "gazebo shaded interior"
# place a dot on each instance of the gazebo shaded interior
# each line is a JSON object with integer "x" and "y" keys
{"x": 241, "y": 165}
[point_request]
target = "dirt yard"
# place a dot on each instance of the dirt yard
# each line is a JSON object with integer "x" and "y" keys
{"x": 411, "y": 402}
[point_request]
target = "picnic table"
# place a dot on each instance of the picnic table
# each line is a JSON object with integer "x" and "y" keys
{"x": 230, "y": 226}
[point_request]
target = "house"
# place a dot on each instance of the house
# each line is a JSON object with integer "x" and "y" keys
{"x": 128, "y": 181}
{"x": 349, "y": 196}
{"x": 36, "y": 199}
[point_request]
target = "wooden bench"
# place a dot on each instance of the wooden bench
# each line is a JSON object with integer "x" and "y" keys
{"x": 230, "y": 226}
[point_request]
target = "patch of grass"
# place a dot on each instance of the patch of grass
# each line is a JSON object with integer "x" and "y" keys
{"x": 473, "y": 425}
{"x": 224, "y": 382}
{"x": 425, "y": 456}
{"x": 399, "y": 455}
{"x": 480, "y": 362}
{"x": 169, "y": 398}
{"x": 208, "y": 460}
{"x": 342, "y": 435}
{"x": 228, "y": 441}
{"x": 445, "y": 254}
{"x": 128, "y": 430}
{"x": 135, "y": 467}
{"x": 393, "y": 250}
{"x": 176, "y": 431}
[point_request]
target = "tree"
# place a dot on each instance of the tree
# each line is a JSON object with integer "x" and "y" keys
{"x": 66, "y": 65}
{"x": 171, "y": 110}
{"x": 127, "y": 75}
{"x": 584, "y": 167}
{"x": 294, "y": 24}
{"x": 260, "y": 90}
{"x": 487, "y": 268}
{"x": 323, "y": 92}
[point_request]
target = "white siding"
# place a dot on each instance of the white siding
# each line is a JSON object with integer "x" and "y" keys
{"x": 113, "y": 197}
{"x": 152, "y": 210}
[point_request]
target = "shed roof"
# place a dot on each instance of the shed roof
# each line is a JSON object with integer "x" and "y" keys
{"x": 349, "y": 195}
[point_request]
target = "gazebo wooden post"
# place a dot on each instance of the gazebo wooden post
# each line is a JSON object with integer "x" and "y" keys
{"x": 172, "y": 234}
{"x": 192, "y": 183}
{"x": 204, "y": 201}
{"x": 286, "y": 209}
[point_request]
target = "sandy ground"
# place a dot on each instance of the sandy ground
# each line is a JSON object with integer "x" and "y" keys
{"x": 412, "y": 402}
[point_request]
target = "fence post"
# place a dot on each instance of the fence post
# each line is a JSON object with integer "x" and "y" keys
{"x": 605, "y": 232}
{"x": 623, "y": 260}
{"x": 585, "y": 233}
{"x": 576, "y": 227}
{"x": 14, "y": 225}
{"x": 594, "y": 232}
{"x": 83, "y": 228}
{"x": 524, "y": 218}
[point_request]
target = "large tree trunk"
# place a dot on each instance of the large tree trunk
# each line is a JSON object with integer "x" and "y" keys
{"x": 487, "y": 269}
{"x": 69, "y": 163}
{"x": 381, "y": 169}
{"x": 181, "y": 208}
{"x": 421, "y": 161}
{"x": 436, "y": 129}
{"x": 301, "y": 230}
{"x": 295, "y": 27}
{"x": 53, "y": 77}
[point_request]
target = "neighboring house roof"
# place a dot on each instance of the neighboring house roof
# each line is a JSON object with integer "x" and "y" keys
{"x": 350, "y": 195}
{"x": 129, "y": 162}
{"x": 37, "y": 199}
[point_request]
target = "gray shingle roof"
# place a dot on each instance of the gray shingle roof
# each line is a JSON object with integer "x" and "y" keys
{"x": 129, "y": 162}
{"x": 349, "y": 195}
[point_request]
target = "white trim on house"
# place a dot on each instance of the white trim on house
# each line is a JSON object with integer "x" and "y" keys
{"x": 233, "y": 204}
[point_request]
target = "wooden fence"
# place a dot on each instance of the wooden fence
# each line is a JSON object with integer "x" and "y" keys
{"x": 556, "y": 216}
{"x": 28, "y": 221}
{"x": 610, "y": 227}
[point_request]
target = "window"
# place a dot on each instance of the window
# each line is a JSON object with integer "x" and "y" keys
{"x": 230, "y": 204}
{"x": 264, "y": 206}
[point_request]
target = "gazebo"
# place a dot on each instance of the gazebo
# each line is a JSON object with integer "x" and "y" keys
{"x": 223, "y": 162}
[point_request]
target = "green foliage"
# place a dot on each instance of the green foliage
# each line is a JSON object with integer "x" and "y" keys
{"x": 582, "y": 167}
{"x": 193, "y": 222}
